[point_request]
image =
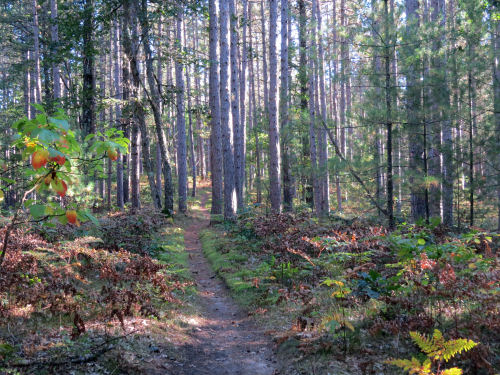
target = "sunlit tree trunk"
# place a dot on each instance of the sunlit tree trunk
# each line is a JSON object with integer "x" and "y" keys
{"x": 118, "y": 110}
{"x": 215, "y": 118}
{"x": 235, "y": 106}
{"x": 36, "y": 54}
{"x": 227, "y": 146}
{"x": 241, "y": 144}
{"x": 181, "y": 120}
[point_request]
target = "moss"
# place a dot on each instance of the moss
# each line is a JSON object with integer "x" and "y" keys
{"x": 231, "y": 267}
{"x": 169, "y": 244}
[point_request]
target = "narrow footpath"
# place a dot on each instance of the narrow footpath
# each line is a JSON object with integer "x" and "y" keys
{"x": 226, "y": 341}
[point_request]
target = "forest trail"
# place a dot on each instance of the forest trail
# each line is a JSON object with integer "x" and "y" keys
{"x": 226, "y": 341}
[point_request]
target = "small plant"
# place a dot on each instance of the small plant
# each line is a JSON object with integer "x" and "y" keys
{"x": 438, "y": 350}
{"x": 339, "y": 318}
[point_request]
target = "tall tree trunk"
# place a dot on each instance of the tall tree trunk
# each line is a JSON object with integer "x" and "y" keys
{"x": 215, "y": 118}
{"x": 181, "y": 120}
{"x": 54, "y": 36}
{"x": 254, "y": 115}
{"x": 264, "y": 59}
{"x": 274, "y": 142}
{"x": 324, "y": 180}
{"x": 436, "y": 116}
{"x": 126, "y": 125}
{"x": 89, "y": 82}
{"x": 388, "y": 103}
{"x": 155, "y": 102}
{"x": 235, "y": 106}
{"x": 131, "y": 46}
{"x": 36, "y": 54}
{"x": 307, "y": 189}
{"x": 228, "y": 161}
{"x": 377, "y": 74}
{"x": 118, "y": 110}
{"x": 286, "y": 134}
{"x": 312, "y": 118}
{"x": 413, "y": 99}
{"x": 343, "y": 58}
{"x": 200, "y": 149}
{"x": 190, "y": 126}
{"x": 27, "y": 88}
{"x": 496, "y": 96}
{"x": 241, "y": 145}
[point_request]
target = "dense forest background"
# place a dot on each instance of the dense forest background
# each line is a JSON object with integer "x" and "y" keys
{"x": 386, "y": 108}
{"x": 249, "y": 187}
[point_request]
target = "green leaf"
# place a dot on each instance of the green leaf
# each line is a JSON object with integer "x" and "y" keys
{"x": 8, "y": 180}
{"x": 92, "y": 218}
{"x": 421, "y": 241}
{"x": 39, "y": 107}
{"x": 37, "y": 211}
{"x": 61, "y": 124}
{"x": 48, "y": 136}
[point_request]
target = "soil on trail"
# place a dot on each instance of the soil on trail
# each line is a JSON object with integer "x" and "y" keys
{"x": 225, "y": 341}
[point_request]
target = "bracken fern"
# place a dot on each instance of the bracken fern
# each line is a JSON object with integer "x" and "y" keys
{"x": 437, "y": 350}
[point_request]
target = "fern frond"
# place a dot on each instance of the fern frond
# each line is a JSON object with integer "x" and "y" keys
{"x": 427, "y": 345}
{"x": 413, "y": 366}
{"x": 438, "y": 348}
{"x": 454, "y": 347}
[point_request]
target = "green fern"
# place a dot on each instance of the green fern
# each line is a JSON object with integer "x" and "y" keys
{"x": 437, "y": 350}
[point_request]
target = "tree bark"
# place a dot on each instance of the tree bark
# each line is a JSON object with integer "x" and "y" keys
{"x": 131, "y": 46}
{"x": 496, "y": 98}
{"x": 414, "y": 123}
{"x": 324, "y": 180}
{"x": 227, "y": 146}
{"x": 89, "y": 82}
{"x": 181, "y": 120}
{"x": 286, "y": 135}
{"x": 274, "y": 142}
{"x": 235, "y": 107}
{"x": 155, "y": 102}
{"x": 388, "y": 123}
{"x": 118, "y": 110}
{"x": 241, "y": 145}
{"x": 54, "y": 36}
{"x": 36, "y": 54}
{"x": 215, "y": 117}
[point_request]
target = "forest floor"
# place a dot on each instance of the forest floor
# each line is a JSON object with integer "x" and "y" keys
{"x": 225, "y": 340}
{"x": 267, "y": 294}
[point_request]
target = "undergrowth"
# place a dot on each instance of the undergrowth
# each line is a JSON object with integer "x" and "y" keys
{"x": 352, "y": 292}
{"x": 68, "y": 294}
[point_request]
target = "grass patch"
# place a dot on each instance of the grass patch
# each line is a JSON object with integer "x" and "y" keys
{"x": 230, "y": 261}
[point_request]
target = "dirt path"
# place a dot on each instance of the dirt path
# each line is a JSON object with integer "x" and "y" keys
{"x": 226, "y": 342}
